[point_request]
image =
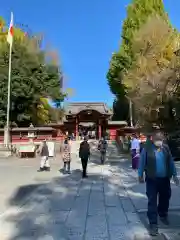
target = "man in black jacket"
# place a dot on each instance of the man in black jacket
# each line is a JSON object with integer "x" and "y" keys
{"x": 84, "y": 153}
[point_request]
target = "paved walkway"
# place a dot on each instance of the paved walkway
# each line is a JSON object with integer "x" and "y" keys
{"x": 17, "y": 174}
{"x": 102, "y": 207}
{"x": 137, "y": 196}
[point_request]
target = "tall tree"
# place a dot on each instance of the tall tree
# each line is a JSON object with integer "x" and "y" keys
{"x": 154, "y": 75}
{"x": 138, "y": 13}
{"x": 33, "y": 78}
{"x": 120, "y": 109}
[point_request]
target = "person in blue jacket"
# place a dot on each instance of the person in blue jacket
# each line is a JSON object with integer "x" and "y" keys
{"x": 157, "y": 163}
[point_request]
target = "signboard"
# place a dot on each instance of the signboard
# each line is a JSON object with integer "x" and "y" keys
{"x": 26, "y": 148}
{"x": 51, "y": 148}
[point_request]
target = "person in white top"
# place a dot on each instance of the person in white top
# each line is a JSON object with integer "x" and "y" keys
{"x": 135, "y": 151}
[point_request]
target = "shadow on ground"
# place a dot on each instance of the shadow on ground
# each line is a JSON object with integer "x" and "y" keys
{"x": 137, "y": 192}
{"x": 56, "y": 210}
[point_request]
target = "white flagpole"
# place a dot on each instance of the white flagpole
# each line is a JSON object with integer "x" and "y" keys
{"x": 9, "y": 99}
{"x": 7, "y": 130}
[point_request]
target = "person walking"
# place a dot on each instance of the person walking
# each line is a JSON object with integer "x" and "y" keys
{"x": 135, "y": 151}
{"x": 66, "y": 156}
{"x": 84, "y": 154}
{"x": 157, "y": 163}
{"x": 44, "y": 152}
{"x": 102, "y": 147}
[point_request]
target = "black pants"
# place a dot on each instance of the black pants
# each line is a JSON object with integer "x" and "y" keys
{"x": 158, "y": 188}
{"x": 67, "y": 166}
{"x": 84, "y": 162}
{"x": 103, "y": 157}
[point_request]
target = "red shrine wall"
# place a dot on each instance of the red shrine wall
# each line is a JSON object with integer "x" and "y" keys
{"x": 22, "y": 136}
{"x": 113, "y": 131}
{"x": 59, "y": 132}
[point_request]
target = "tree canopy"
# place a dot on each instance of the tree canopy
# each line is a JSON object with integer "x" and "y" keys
{"x": 138, "y": 13}
{"x": 120, "y": 109}
{"x": 153, "y": 78}
{"x": 33, "y": 79}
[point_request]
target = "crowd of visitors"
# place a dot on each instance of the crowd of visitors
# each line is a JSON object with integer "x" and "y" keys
{"x": 152, "y": 161}
{"x": 65, "y": 152}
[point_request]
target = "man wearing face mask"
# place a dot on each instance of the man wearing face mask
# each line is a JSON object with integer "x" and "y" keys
{"x": 157, "y": 163}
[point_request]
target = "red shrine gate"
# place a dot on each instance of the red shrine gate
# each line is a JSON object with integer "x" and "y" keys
{"x": 87, "y": 116}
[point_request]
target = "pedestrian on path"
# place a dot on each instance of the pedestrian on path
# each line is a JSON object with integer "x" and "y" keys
{"x": 135, "y": 151}
{"x": 159, "y": 167}
{"x": 44, "y": 152}
{"x": 102, "y": 147}
{"x": 84, "y": 154}
{"x": 66, "y": 156}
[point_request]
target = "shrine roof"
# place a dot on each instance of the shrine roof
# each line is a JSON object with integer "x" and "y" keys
{"x": 75, "y": 108}
{"x": 34, "y": 129}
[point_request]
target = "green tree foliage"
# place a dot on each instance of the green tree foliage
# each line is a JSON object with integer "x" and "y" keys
{"x": 138, "y": 13}
{"x": 33, "y": 79}
{"x": 45, "y": 113}
{"x": 41, "y": 115}
{"x": 56, "y": 115}
{"x": 122, "y": 104}
{"x": 153, "y": 79}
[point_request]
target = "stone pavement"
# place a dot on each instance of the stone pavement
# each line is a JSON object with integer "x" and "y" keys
{"x": 137, "y": 195}
{"x": 22, "y": 174}
{"x": 65, "y": 207}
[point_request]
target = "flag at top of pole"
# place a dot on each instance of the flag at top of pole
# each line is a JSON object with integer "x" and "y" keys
{"x": 10, "y": 32}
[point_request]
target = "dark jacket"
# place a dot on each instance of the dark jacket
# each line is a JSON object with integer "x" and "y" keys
{"x": 45, "y": 151}
{"x": 84, "y": 150}
{"x": 102, "y": 146}
{"x": 148, "y": 162}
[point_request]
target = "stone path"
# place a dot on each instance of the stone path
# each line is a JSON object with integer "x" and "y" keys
{"x": 66, "y": 207}
{"x": 21, "y": 174}
{"x": 137, "y": 195}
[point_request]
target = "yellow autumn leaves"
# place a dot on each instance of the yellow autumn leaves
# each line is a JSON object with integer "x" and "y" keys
{"x": 154, "y": 71}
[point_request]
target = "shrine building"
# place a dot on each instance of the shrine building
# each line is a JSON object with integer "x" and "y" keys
{"x": 80, "y": 117}
{"x": 89, "y": 116}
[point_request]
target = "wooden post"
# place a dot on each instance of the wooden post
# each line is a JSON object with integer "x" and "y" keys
{"x": 77, "y": 135}
{"x": 99, "y": 126}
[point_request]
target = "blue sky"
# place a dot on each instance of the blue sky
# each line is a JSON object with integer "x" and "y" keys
{"x": 84, "y": 32}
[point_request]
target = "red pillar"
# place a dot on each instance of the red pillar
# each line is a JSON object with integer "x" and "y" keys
{"x": 99, "y": 129}
{"x": 76, "y": 128}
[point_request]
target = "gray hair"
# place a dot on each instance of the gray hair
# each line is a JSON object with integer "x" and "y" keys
{"x": 158, "y": 136}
